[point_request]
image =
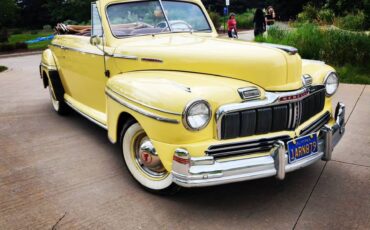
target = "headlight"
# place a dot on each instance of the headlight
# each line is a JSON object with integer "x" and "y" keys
{"x": 331, "y": 83}
{"x": 197, "y": 115}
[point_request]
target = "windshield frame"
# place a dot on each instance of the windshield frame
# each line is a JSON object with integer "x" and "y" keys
{"x": 210, "y": 31}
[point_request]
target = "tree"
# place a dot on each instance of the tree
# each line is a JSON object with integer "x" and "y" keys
{"x": 8, "y": 15}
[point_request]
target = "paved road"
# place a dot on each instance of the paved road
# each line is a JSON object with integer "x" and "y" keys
{"x": 63, "y": 172}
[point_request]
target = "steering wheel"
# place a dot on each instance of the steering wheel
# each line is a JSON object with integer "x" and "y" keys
{"x": 183, "y": 23}
{"x": 165, "y": 26}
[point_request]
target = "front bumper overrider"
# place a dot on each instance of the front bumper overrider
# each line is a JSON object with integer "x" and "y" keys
{"x": 206, "y": 171}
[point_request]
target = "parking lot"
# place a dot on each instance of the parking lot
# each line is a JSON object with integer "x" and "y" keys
{"x": 63, "y": 173}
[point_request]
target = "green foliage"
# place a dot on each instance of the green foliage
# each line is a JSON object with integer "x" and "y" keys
{"x": 3, "y": 68}
{"x": 326, "y": 16}
{"x": 336, "y": 47}
{"x": 216, "y": 19}
{"x": 353, "y": 74}
{"x": 309, "y": 14}
{"x": 352, "y": 21}
{"x": 245, "y": 20}
{"x": 312, "y": 14}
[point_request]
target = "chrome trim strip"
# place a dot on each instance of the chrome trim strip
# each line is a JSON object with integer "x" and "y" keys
{"x": 86, "y": 116}
{"x": 289, "y": 49}
{"x": 155, "y": 60}
{"x": 78, "y": 50}
{"x": 113, "y": 96}
{"x": 290, "y": 116}
{"x": 129, "y": 57}
{"x": 316, "y": 125}
{"x": 143, "y": 104}
{"x": 250, "y": 89}
{"x": 49, "y": 67}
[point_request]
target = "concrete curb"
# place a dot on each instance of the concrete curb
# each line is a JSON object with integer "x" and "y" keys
{"x": 11, "y": 55}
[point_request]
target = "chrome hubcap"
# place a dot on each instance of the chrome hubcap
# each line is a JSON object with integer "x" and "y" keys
{"x": 147, "y": 158}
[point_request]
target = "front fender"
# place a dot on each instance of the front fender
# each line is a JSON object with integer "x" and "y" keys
{"x": 317, "y": 69}
{"x": 165, "y": 94}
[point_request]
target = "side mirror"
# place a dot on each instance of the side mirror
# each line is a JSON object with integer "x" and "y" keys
{"x": 95, "y": 40}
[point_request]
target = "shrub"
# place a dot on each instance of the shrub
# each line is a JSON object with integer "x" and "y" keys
{"x": 2, "y": 68}
{"x": 355, "y": 22}
{"x": 309, "y": 14}
{"x": 7, "y": 47}
{"x": 336, "y": 47}
{"x": 47, "y": 28}
{"x": 245, "y": 20}
{"x": 4, "y": 35}
{"x": 20, "y": 45}
{"x": 17, "y": 31}
{"x": 215, "y": 17}
{"x": 326, "y": 16}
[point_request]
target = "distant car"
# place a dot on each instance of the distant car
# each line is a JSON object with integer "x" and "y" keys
{"x": 188, "y": 108}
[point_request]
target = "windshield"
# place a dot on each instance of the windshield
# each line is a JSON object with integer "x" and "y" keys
{"x": 147, "y": 17}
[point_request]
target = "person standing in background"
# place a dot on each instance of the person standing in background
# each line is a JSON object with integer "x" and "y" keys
{"x": 231, "y": 26}
{"x": 270, "y": 16}
{"x": 259, "y": 22}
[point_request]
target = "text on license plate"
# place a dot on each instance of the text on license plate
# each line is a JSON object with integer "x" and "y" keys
{"x": 302, "y": 147}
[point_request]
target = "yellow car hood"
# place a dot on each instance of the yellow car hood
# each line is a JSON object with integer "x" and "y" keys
{"x": 269, "y": 68}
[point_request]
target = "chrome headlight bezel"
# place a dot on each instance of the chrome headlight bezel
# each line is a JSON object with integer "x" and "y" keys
{"x": 327, "y": 77}
{"x": 191, "y": 105}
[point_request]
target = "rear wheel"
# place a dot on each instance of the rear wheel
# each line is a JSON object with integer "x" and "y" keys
{"x": 59, "y": 106}
{"x": 143, "y": 162}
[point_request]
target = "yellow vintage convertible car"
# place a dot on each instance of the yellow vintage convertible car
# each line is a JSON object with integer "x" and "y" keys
{"x": 188, "y": 108}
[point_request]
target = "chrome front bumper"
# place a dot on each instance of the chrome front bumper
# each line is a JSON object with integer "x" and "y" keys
{"x": 206, "y": 171}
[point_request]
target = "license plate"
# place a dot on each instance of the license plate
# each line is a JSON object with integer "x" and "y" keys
{"x": 302, "y": 147}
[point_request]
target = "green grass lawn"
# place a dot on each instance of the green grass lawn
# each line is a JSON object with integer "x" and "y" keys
{"x": 28, "y": 36}
{"x": 2, "y": 68}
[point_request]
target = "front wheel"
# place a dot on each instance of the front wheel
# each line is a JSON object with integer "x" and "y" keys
{"x": 59, "y": 106}
{"x": 143, "y": 162}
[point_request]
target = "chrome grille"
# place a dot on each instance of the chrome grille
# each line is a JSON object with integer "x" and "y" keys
{"x": 272, "y": 118}
{"x": 244, "y": 148}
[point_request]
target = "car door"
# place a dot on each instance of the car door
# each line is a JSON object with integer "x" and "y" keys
{"x": 83, "y": 70}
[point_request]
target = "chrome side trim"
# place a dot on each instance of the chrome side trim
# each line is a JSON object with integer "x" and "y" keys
{"x": 145, "y": 105}
{"x": 78, "y": 50}
{"x": 86, "y": 116}
{"x": 49, "y": 67}
{"x": 122, "y": 56}
{"x": 116, "y": 98}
